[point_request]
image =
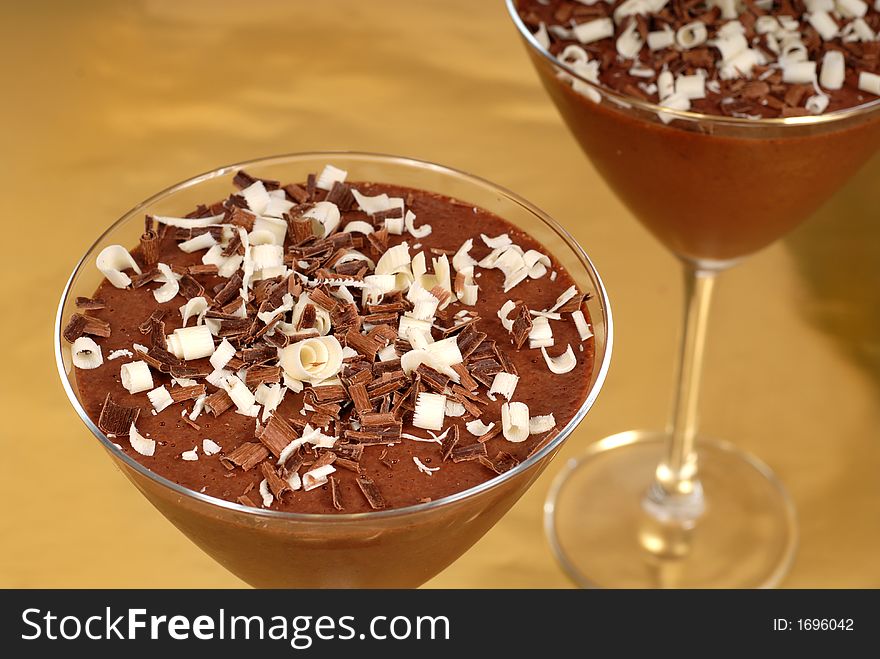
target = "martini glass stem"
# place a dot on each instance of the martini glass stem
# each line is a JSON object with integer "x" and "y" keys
{"x": 676, "y": 493}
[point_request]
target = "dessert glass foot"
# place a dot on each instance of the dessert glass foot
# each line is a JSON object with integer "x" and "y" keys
{"x": 605, "y": 533}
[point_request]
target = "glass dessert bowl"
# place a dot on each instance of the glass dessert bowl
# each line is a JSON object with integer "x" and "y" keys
{"x": 397, "y": 547}
{"x": 660, "y": 509}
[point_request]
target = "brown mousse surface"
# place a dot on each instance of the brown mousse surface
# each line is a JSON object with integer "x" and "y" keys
{"x": 774, "y": 69}
{"x": 390, "y": 468}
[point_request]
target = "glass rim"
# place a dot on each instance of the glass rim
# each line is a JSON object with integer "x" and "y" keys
{"x": 456, "y": 497}
{"x": 810, "y": 120}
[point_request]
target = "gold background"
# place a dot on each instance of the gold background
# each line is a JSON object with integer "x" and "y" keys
{"x": 104, "y": 103}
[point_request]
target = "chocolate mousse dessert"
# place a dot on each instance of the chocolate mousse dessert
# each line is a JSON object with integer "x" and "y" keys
{"x": 740, "y": 58}
{"x": 723, "y": 182}
{"x": 331, "y": 346}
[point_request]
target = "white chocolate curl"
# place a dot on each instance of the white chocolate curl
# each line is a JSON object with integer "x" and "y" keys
{"x": 561, "y": 364}
{"x": 325, "y": 217}
{"x": 600, "y": 28}
{"x": 430, "y": 411}
{"x": 168, "y": 291}
{"x": 210, "y": 447}
{"x": 477, "y": 428}
{"x": 222, "y": 354}
{"x": 265, "y": 493}
{"x": 504, "y": 384}
{"x": 141, "y": 444}
{"x": 422, "y": 467}
{"x": 160, "y": 398}
{"x": 823, "y": 24}
{"x": 136, "y": 377}
{"x": 692, "y": 35}
{"x": 329, "y": 176}
{"x": 580, "y": 323}
{"x": 515, "y": 422}
{"x": 316, "y": 477}
{"x": 869, "y": 82}
{"x": 191, "y": 342}
{"x": 540, "y": 424}
{"x": 410, "y": 222}
{"x": 197, "y": 306}
{"x": 833, "y": 70}
{"x": 661, "y": 38}
{"x": 799, "y": 72}
{"x": 86, "y": 353}
{"x": 312, "y": 360}
{"x": 112, "y": 260}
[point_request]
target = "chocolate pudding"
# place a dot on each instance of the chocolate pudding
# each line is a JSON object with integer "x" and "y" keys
{"x": 331, "y": 346}
{"x": 722, "y": 184}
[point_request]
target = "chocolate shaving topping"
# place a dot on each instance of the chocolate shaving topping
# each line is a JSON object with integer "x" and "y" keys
{"x": 340, "y": 194}
{"x": 364, "y": 345}
{"x": 308, "y": 317}
{"x": 240, "y": 218}
{"x": 506, "y": 362}
{"x": 371, "y": 492}
{"x": 449, "y": 443}
{"x": 245, "y": 500}
{"x": 229, "y": 290}
{"x": 277, "y": 340}
{"x": 522, "y": 325}
{"x": 372, "y": 438}
{"x": 468, "y": 452}
{"x": 192, "y": 424}
{"x": 243, "y": 180}
{"x": 247, "y": 456}
{"x": 434, "y": 379}
{"x": 180, "y": 394}
{"x": 189, "y": 287}
{"x": 116, "y": 419}
{"x": 258, "y": 354}
{"x": 80, "y": 324}
{"x": 467, "y": 382}
{"x": 501, "y": 463}
{"x": 202, "y": 269}
{"x": 258, "y": 374}
{"x": 323, "y": 300}
{"x": 352, "y": 452}
{"x": 376, "y": 420}
{"x": 296, "y": 193}
{"x": 491, "y": 434}
{"x": 573, "y": 304}
{"x": 74, "y": 328}
{"x": 326, "y": 458}
{"x": 348, "y": 464}
{"x": 330, "y": 393}
{"x": 150, "y": 248}
{"x": 485, "y": 370}
{"x": 147, "y": 326}
{"x": 335, "y": 496}
{"x": 277, "y": 485}
{"x": 90, "y": 304}
{"x": 235, "y": 327}
{"x": 277, "y": 435}
{"x": 218, "y": 402}
{"x": 360, "y": 399}
{"x": 146, "y": 277}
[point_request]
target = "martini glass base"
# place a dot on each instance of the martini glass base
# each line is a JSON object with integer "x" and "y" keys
{"x": 603, "y": 536}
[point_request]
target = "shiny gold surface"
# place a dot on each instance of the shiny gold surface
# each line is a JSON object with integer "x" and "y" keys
{"x": 108, "y": 102}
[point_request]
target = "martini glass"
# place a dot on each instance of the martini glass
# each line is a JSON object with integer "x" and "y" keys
{"x": 664, "y": 508}
{"x": 398, "y": 548}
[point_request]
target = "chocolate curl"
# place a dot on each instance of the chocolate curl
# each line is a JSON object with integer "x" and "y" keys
{"x": 150, "y": 245}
